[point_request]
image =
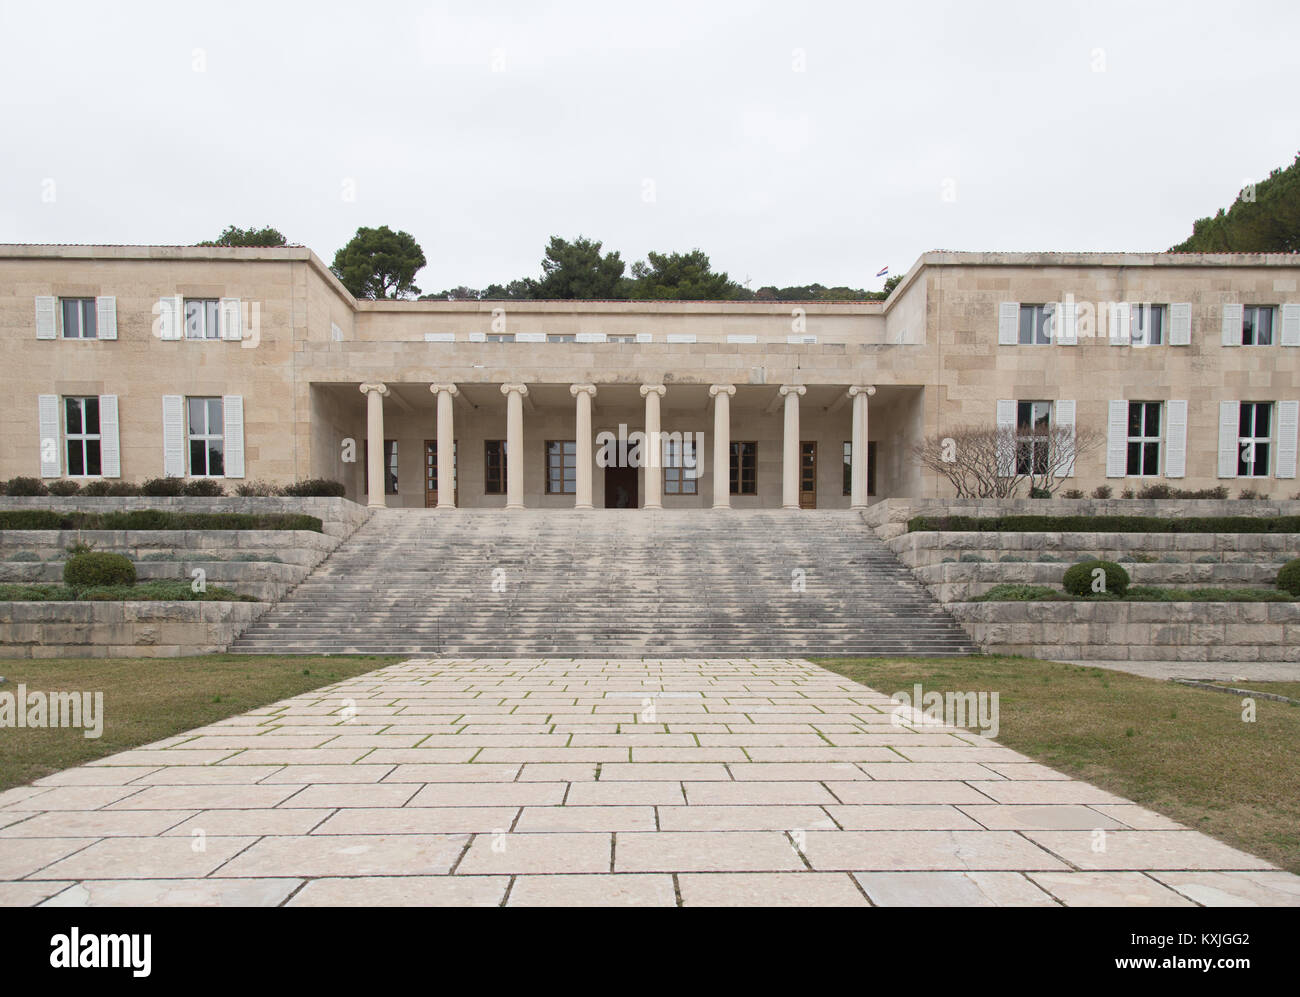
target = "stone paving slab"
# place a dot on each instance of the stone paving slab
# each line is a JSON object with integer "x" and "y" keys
{"x": 560, "y": 782}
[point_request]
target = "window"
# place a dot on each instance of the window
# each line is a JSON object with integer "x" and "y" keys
{"x": 1033, "y": 423}
{"x": 431, "y": 464}
{"x": 556, "y": 338}
{"x": 202, "y": 318}
{"x": 848, "y": 467}
{"x": 620, "y": 337}
{"x": 1036, "y": 325}
{"x": 744, "y": 468}
{"x": 500, "y": 337}
{"x": 1147, "y": 325}
{"x": 561, "y": 467}
{"x": 1257, "y": 325}
{"x": 81, "y": 431}
{"x": 79, "y": 318}
{"x": 494, "y": 467}
{"x": 1254, "y": 431}
{"x": 681, "y": 474}
{"x": 1143, "y": 438}
{"x": 390, "y": 467}
{"x": 207, "y": 438}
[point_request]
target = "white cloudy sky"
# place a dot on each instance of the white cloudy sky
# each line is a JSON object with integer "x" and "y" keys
{"x": 484, "y": 128}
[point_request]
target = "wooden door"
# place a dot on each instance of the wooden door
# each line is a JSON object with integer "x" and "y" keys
{"x": 808, "y": 475}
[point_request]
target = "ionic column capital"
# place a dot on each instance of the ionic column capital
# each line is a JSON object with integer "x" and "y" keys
{"x": 451, "y": 389}
{"x": 519, "y": 389}
{"x": 721, "y": 389}
{"x": 658, "y": 389}
{"x": 380, "y": 388}
{"x": 793, "y": 389}
{"x": 862, "y": 389}
{"x": 578, "y": 389}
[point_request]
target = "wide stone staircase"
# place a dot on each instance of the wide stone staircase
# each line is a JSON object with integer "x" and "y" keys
{"x": 609, "y": 583}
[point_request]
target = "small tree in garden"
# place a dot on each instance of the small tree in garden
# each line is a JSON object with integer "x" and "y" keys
{"x": 982, "y": 461}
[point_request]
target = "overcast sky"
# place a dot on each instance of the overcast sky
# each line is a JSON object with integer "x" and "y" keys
{"x": 793, "y": 142}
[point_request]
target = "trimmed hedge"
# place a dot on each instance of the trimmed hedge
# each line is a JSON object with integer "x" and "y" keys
{"x": 1078, "y": 578}
{"x": 155, "y": 591}
{"x": 156, "y": 519}
{"x": 1103, "y": 524}
{"x": 315, "y": 488}
{"x": 98, "y": 568}
{"x": 1288, "y": 579}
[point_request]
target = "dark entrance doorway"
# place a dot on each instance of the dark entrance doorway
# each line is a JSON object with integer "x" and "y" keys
{"x": 621, "y": 488}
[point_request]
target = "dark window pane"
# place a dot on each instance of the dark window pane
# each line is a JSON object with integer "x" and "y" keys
{"x": 1135, "y": 458}
{"x": 1150, "y": 458}
{"x": 196, "y": 420}
{"x": 76, "y": 464}
{"x": 198, "y": 463}
{"x": 89, "y": 323}
{"x": 92, "y": 414}
{"x": 71, "y": 318}
{"x": 1261, "y": 460}
{"x": 1153, "y": 419}
{"x": 1245, "y": 419}
{"x": 1264, "y": 327}
{"x": 92, "y": 457}
{"x": 1135, "y": 419}
{"x": 1024, "y": 416}
{"x": 72, "y": 414}
{"x": 1262, "y": 413}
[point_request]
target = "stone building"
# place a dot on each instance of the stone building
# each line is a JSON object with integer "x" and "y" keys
{"x": 256, "y": 364}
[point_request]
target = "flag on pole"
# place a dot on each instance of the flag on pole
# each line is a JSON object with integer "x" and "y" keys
{"x": 884, "y": 271}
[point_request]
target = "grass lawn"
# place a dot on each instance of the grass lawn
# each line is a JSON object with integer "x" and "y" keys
{"x": 147, "y": 699}
{"x": 1181, "y": 751}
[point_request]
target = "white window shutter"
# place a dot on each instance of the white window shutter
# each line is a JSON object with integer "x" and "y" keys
{"x": 110, "y": 453}
{"x": 1067, "y": 334}
{"x": 106, "y": 318}
{"x": 230, "y": 318}
{"x": 1117, "y": 438}
{"x": 170, "y": 319}
{"x": 1120, "y": 322}
{"x": 1176, "y": 439}
{"x": 1288, "y": 420}
{"x": 1229, "y": 413}
{"x": 530, "y": 337}
{"x": 1232, "y": 319}
{"x": 1180, "y": 324}
{"x": 1006, "y": 416}
{"x": 232, "y": 407}
{"x": 645, "y": 337}
{"x": 1064, "y": 416}
{"x": 173, "y": 436}
{"x": 590, "y": 337}
{"x": 474, "y": 337}
{"x": 1291, "y": 325}
{"x": 48, "y": 413}
{"x": 46, "y": 317}
{"x": 1008, "y": 323}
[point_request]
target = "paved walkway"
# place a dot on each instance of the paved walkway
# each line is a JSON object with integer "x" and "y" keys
{"x": 555, "y": 782}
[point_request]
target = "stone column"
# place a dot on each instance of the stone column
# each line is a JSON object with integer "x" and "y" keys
{"x": 790, "y": 455}
{"x": 376, "y": 478}
{"x": 653, "y": 454}
{"x": 722, "y": 444}
{"x": 446, "y": 445}
{"x": 858, "y": 470}
{"x": 514, "y": 444}
{"x": 583, "y": 394}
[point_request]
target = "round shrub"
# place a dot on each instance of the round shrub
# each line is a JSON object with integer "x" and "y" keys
{"x": 162, "y": 487}
{"x": 1078, "y": 578}
{"x": 1288, "y": 579}
{"x": 98, "y": 568}
{"x": 203, "y": 487}
{"x": 316, "y": 488}
{"x": 64, "y": 487}
{"x": 259, "y": 489}
{"x": 25, "y": 486}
